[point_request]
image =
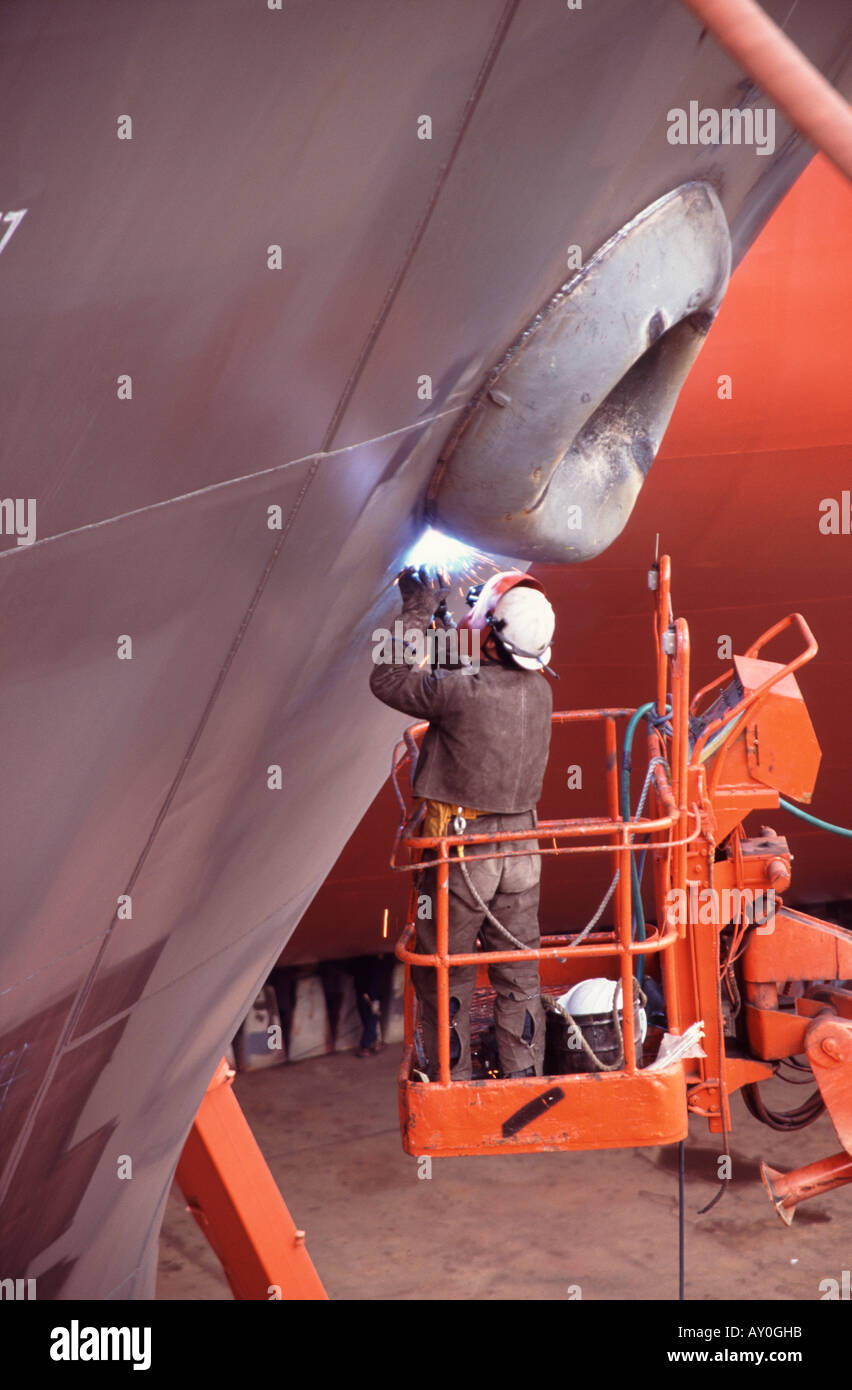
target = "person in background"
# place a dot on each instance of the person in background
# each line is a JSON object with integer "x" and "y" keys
{"x": 367, "y": 976}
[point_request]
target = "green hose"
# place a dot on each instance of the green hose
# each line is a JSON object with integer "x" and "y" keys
{"x": 625, "y": 757}
{"x": 635, "y": 888}
{"x": 814, "y": 820}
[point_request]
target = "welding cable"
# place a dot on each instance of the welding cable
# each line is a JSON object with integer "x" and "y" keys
{"x": 723, "y": 1182}
{"x": 806, "y": 1080}
{"x": 798, "y": 1066}
{"x": 681, "y": 1218}
{"x": 575, "y": 941}
{"x": 626, "y": 765}
{"x": 483, "y": 907}
{"x": 737, "y": 948}
{"x": 593, "y": 921}
{"x": 413, "y": 753}
{"x": 730, "y": 981}
{"x": 717, "y": 740}
{"x": 814, "y": 820}
{"x": 504, "y": 931}
{"x": 800, "y": 1118}
{"x": 521, "y": 946}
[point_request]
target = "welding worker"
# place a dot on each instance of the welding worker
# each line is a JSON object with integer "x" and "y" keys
{"x": 483, "y": 758}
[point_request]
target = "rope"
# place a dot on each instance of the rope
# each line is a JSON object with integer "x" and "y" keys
{"x": 619, "y": 1032}
{"x": 609, "y": 892}
{"x": 524, "y": 946}
{"x": 483, "y": 906}
{"x": 590, "y": 925}
{"x": 575, "y": 941}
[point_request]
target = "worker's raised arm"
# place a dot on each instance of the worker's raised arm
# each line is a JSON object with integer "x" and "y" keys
{"x": 397, "y": 678}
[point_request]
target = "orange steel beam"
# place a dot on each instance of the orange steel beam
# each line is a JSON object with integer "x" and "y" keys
{"x": 233, "y": 1197}
{"x": 774, "y": 62}
{"x": 787, "y": 1190}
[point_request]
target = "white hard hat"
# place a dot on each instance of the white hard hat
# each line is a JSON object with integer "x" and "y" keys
{"x": 596, "y": 996}
{"x": 524, "y": 624}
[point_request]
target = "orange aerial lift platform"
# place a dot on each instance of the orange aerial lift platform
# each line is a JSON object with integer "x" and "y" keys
{"x": 758, "y": 983}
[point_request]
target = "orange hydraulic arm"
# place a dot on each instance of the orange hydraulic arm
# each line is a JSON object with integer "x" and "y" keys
{"x": 233, "y": 1197}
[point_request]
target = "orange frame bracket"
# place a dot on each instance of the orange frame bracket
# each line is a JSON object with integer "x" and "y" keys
{"x": 234, "y": 1198}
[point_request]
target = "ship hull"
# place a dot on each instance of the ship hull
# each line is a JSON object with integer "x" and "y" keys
{"x": 229, "y": 461}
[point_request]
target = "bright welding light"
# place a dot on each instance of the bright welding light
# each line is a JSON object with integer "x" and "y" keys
{"x": 441, "y": 552}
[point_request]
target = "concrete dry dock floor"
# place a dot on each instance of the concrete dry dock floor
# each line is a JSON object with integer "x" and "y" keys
{"x": 523, "y": 1227}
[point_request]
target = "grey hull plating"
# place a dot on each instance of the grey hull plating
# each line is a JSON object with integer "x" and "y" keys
{"x": 252, "y": 389}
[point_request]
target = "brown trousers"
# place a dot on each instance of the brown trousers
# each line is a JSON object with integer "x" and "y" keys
{"x": 510, "y": 888}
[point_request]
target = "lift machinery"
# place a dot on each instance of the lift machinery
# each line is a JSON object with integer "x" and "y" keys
{"x": 765, "y": 984}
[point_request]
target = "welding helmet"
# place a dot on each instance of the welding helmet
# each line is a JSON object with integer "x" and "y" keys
{"x": 514, "y": 607}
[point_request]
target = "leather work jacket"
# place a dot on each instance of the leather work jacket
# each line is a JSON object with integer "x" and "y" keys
{"x": 489, "y": 729}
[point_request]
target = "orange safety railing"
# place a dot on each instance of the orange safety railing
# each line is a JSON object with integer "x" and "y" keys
{"x": 618, "y": 835}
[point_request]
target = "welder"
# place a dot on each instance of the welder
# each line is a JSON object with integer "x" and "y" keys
{"x": 481, "y": 765}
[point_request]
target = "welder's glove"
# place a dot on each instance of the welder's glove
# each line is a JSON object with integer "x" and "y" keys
{"x": 422, "y": 589}
{"x": 443, "y": 615}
